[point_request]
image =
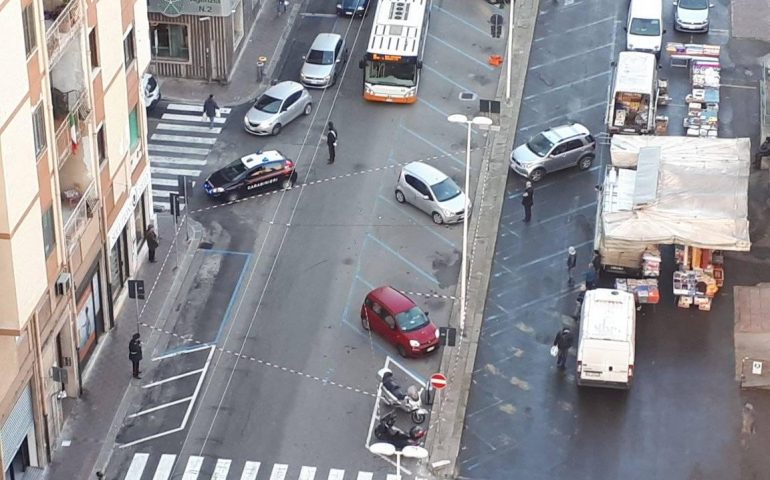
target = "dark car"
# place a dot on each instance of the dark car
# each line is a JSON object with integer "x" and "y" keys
{"x": 352, "y": 8}
{"x": 252, "y": 173}
{"x": 394, "y": 316}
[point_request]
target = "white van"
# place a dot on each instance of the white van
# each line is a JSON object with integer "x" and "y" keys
{"x": 605, "y": 353}
{"x": 645, "y": 26}
{"x": 632, "y": 107}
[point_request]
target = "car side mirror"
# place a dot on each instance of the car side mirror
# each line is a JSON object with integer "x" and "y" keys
{"x": 625, "y": 29}
{"x": 711, "y": 5}
{"x": 427, "y": 314}
{"x": 361, "y": 64}
{"x": 419, "y": 64}
{"x": 664, "y": 31}
{"x": 304, "y": 57}
{"x": 675, "y": 3}
{"x": 338, "y": 60}
{"x": 426, "y": 197}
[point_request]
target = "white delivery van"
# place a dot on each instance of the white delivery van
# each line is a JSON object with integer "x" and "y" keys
{"x": 632, "y": 107}
{"x": 644, "y": 30}
{"x": 605, "y": 352}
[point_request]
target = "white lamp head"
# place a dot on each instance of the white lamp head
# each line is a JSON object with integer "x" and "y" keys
{"x": 382, "y": 448}
{"x": 458, "y": 118}
{"x": 414, "y": 451}
{"x": 481, "y": 121}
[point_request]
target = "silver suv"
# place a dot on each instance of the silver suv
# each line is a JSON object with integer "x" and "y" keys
{"x": 324, "y": 61}
{"x": 554, "y": 149}
{"x": 431, "y": 191}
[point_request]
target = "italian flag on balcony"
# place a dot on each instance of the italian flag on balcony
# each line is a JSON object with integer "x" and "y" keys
{"x": 73, "y": 133}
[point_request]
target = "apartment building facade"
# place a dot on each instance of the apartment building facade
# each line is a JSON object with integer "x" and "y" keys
{"x": 74, "y": 203}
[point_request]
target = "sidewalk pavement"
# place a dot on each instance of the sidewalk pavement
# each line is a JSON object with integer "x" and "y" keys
{"x": 107, "y": 381}
{"x": 446, "y": 428}
{"x": 267, "y": 38}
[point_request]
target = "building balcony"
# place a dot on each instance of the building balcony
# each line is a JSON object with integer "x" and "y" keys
{"x": 63, "y": 20}
{"x": 71, "y": 111}
{"x": 81, "y": 226}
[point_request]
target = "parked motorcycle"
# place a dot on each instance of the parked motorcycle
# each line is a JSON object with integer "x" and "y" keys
{"x": 387, "y": 431}
{"x": 394, "y": 397}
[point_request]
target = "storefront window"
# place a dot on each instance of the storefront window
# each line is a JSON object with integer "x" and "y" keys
{"x": 169, "y": 41}
{"x": 118, "y": 264}
{"x": 140, "y": 220}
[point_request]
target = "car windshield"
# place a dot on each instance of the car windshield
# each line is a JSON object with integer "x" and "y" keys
{"x": 648, "y": 27}
{"x": 391, "y": 73}
{"x": 445, "y": 190}
{"x": 232, "y": 171}
{"x": 268, "y": 104}
{"x": 694, "y": 4}
{"x": 540, "y": 145}
{"x": 320, "y": 57}
{"x": 412, "y": 319}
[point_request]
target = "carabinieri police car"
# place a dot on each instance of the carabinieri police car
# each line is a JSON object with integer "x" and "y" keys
{"x": 252, "y": 173}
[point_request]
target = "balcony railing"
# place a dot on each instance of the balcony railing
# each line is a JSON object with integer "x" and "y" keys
{"x": 69, "y": 107}
{"x": 86, "y": 209}
{"x": 61, "y": 25}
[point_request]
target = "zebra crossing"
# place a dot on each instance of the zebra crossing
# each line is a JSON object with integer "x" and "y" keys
{"x": 198, "y": 467}
{"x": 179, "y": 145}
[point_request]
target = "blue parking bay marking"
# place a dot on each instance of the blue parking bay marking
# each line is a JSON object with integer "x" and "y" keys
{"x": 448, "y": 80}
{"x": 469, "y": 57}
{"x": 391, "y": 250}
{"x": 446, "y": 153}
{"x": 429, "y": 228}
{"x": 465, "y": 22}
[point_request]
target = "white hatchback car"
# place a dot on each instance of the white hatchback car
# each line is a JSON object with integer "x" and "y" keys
{"x": 432, "y": 191}
{"x": 279, "y": 105}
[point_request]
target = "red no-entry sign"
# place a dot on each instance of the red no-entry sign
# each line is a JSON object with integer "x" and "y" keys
{"x": 438, "y": 381}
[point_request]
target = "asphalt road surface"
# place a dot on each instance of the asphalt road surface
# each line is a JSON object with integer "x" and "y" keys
{"x": 683, "y": 417}
{"x": 292, "y": 390}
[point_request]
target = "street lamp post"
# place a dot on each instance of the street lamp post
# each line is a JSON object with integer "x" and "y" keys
{"x": 388, "y": 450}
{"x": 460, "y": 118}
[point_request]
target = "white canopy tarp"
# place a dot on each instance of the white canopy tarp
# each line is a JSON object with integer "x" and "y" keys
{"x": 702, "y": 195}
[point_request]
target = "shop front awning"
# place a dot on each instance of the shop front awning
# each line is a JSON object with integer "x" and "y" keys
{"x": 691, "y": 191}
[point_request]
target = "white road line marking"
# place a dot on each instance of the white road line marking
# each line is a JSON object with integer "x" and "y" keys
{"x": 193, "y": 108}
{"x": 318, "y": 15}
{"x": 176, "y": 160}
{"x": 190, "y": 118}
{"x": 337, "y": 474}
{"x": 567, "y": 57}
{"x": 221, "y": 469}
{"x": 279, "y": 471}
{"x": 175, "y": 171}
{"x": 137, "y": 466}
{"x": 160, "y": 407}
{"x": 193, "y": 468}
{"x": 307, "y": 473}
{"x": 165, "y": 466}
{"x": 183, "y": 139}
{"x": 171, "y": 379}
{"x": 165, "y": 182}
{"x": 250, "y": 470}
{"x": 154, "y": 147}
{"x": 188, "y": 128}
{"x": 747, "y": 87}
{"x": 392, "y": 476}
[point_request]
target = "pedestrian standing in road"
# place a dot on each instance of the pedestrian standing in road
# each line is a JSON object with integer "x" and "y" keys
{"x": 591, "y": 277}
{"x": 596, "y": 261}
{"x": 527, "y": 201}
{"x": 135, "y": 353}
{"x": 579, "y": 303}
{"x": 764, "y": 151}
{"x": 530, "y": 190}
{"x": 152, "y": 241}
{"x": 571, "y": 263}
{"x": 210, "y": 110}
{"x": 563, "y": 342}
{"x": 331, "y": 141}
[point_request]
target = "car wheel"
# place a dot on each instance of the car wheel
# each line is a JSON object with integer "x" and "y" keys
{"x": 401, "y": 351}
{"x": 276, "y": 129}
{"x": 365, "y": 323}
{"x": 437, "y": 218}
{"x": 537, "y": 174}
{"x": 231, "y": 197}
{"x": 400, "y": 198}
{"x": 287, "y": 183}
{"x": 308, "y": 109}
{"x": 585, "y": 162}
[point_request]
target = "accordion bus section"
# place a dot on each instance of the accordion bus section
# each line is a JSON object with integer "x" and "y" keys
{"x": 394, "y": 52}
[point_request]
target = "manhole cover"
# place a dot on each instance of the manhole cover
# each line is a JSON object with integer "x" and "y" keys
{"x": 467, "y": 96}
{"x": 205, "y": 245}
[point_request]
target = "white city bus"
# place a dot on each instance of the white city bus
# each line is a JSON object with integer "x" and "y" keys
{"x": 394, "y": 52}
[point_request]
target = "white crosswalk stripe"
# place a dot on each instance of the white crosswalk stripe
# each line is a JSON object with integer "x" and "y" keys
{"x": 179, "y": 145}
{"x": 197, "y": 467}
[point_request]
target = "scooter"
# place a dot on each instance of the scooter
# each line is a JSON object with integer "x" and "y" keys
{"x": 394, "y": 397}
{"x": 386, "y": 430}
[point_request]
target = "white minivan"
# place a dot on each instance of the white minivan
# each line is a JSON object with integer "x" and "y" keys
{"x": 644, "y": 31}
{"x": 606, "y": 344}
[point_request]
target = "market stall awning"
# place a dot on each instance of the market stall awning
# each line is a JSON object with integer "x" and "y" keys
{"x": 701, "y": 199}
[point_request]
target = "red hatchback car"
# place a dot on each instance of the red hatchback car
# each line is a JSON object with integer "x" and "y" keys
{"x": 393, "y": 315}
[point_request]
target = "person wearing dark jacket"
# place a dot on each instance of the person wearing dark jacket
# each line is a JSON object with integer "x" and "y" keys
{"x": 527, "y": 201}
{"x": 135, "y": 353}
{"x": 210, "y": 109}
{"x": 571, "y": 262}
{"x": 530, "y": 190}
{"x": 152, "y": 241}
{"x": 764, "y": 151}
{"x": 331, "y": 141}
{"x": 563, "y": 342}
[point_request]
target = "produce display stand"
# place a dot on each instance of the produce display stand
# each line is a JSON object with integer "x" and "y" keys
{"x": 699, "y": 277}
{"x": 703, "y": 100}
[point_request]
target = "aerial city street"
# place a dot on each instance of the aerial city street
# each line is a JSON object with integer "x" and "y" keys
{"x": 434, "y": 239}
